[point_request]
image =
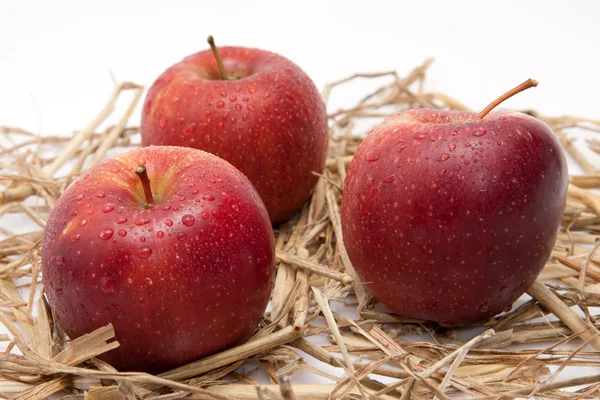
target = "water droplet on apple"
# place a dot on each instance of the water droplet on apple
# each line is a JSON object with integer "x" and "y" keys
{"x": 60, "y": 259}
{"x": 160, "y": 234}
{"x": 106, "y": 234}
{"x": 452, "y": 146}
{"x": 75, "y": 238}
{"x": 189, "y": 130}
{"x": 503, "y": 288}
{"x": 145, "y": 252}
{"x": 389, "y": 179}
{"x": 485, "y": 306}
{"x": 235, "y": 207}
{"x": 165, "y": 207}
{"x": 208, "y": 197}
{"x": 108, "y": 208}
{"x": 204, "y": 215}
{"x": 168, "y": 222}
{"x": 79, "y": 197}
{"x": 420, "y": 136}
{"x": 122, "y": 232}
{"x": 195, "y": 191}
{"x": 188, "y": 220}
{"x": 456, "y": 132}
{"x": 100, "y": 195}
{"x": 401, "y": 148}
{"x": 121, "y": 220}
{"x": 182, "y": 236}
{"x": 83, "y": 222}
{"x": 142, "y": 221}
{"x": 444, "y": 157}
{"x": 482, "y": 177}
{"x": 372, "y": 157}
{"x": 238, "y": 107}
{"x": 232, "y": 98}
{"x": 457, "y": 167}
{"x": 143, "y": 239}
{"x": 74, "y": 213}
{"x": 220, "y": 104}
{"x": 480, "y": 133}
{"x": 107, "y": 284}
{"x": 179, "y": 121}
{"x": 251, "y": 107}
{"x": 162, "y": 123}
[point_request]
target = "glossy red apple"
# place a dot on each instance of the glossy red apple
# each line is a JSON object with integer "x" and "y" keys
{"x": 261, "y": 113}
{"x": 181, "y": 272}
{"x": 450, "y": 216}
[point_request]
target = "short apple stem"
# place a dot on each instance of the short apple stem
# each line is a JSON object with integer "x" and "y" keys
{"x": 213, "y": 46}
{"x": 529, "y": 83}
{"x": 142, "y": 173}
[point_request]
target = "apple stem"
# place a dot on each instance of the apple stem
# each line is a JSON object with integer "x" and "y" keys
{"x": 213, "y": 46}
{"x": 529, "y": 83}
{"x": 142, "y": 173}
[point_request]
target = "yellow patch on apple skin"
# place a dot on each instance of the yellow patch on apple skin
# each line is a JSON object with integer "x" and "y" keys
{"x": 155, "y": 103}
{"x": 402, "y": 119}
{"x": 67, "y": 228}
{"x": 161, "y": 183}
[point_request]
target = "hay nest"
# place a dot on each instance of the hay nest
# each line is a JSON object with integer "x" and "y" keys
{"x": 555, "y": 330}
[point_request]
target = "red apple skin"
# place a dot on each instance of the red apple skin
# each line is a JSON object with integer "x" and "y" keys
{"x": 186, "y": 278}
{"x": 450, "y": 218}
{"x": 271, "y": 123}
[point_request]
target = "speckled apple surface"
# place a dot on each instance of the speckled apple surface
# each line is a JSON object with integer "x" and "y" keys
{"x": 450, "y": 218}
{"x": 187, "y": 277}
{"x": 268, "y": 120}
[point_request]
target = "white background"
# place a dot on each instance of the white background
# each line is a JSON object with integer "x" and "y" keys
{"x": 55, "y": 56}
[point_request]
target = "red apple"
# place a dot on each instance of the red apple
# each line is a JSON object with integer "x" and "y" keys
{"x": 448, "y": 216}
{"x": 181, "y": 272}
{"x": 261, "y": 113}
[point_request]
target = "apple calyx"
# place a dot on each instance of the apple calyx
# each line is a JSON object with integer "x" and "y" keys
{"x": 142, "y": 173}
{"x": 213, "y": 47}
{"x": 529, "y": 83}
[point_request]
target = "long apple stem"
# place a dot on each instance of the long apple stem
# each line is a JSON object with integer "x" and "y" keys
{"x": 142, "y": 173}
{"x": 529, "y": 83}
{"x": 213, "y": 46}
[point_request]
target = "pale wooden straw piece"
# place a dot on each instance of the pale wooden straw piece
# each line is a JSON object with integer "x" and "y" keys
{"x": 591, "y": 181}
{"x": 549, "y": 300}
{"x": 334, "y": 216}
{"x": 577, "y": 155}
{"x": 314, "y": 268}
{"x": 286, "y": 335}
{"x": 588, "y": 198}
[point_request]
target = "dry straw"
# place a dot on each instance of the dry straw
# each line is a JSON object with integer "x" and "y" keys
{"x": 557, "y": 330}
